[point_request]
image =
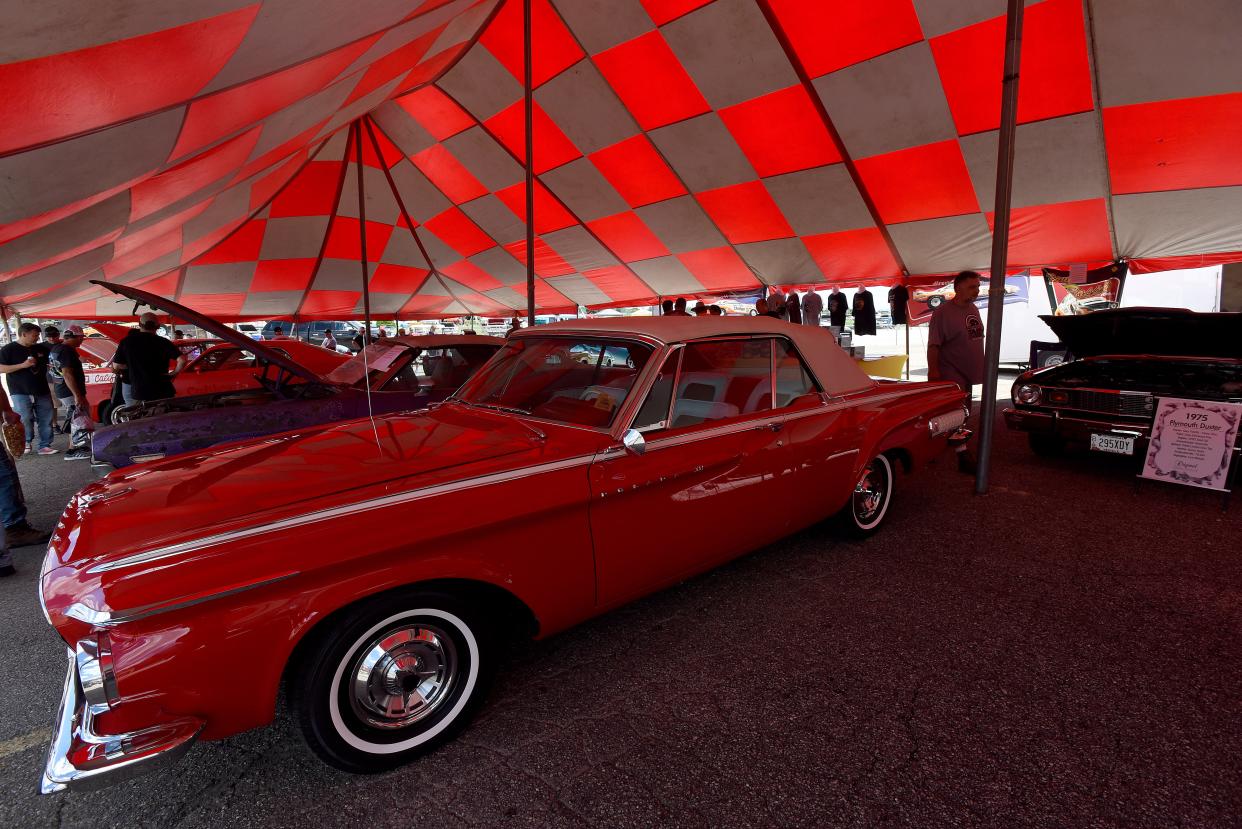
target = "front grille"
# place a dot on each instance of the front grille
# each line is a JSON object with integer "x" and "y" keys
{"x": 1126, "y": 403}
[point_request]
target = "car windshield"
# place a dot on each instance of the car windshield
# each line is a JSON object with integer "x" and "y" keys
{"x": 581, "y": 381}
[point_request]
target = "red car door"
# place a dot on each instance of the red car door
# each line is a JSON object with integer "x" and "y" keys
{"x": 816, "y": 460}
{"x": 704, "y": 489}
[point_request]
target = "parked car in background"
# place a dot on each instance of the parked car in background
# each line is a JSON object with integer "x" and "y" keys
{"x": 314, "y": 332}
{"x": 253, "y": 330}
{"x": 1126, "y": 359}
{"x": 372, "y": 567}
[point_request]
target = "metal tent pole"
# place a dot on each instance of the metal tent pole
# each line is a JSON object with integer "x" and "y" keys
{"x": 362, "y": 234}
{"x": 528, "y": 105}
{"x": 1000, "y": 238}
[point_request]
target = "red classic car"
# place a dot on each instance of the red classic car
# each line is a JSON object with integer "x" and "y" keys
{"x": 372, "y": 565}
{"x": 211, "y": 367}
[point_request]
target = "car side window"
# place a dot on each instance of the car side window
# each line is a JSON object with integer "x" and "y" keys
{"x": 722, "y": 379}
{"x": 793, "y": 382}
{"x": 654, "y": 412}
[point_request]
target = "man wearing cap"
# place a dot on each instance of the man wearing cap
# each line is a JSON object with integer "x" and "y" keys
{"x": 144, "y": 355}
{"x": 65, "y": 368}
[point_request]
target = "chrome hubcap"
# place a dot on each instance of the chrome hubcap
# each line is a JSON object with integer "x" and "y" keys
{"x": 403, "y": 676}
{"x": 870, "y": 493}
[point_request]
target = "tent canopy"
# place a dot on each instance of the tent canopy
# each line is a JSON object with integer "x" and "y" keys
{"x": 202, "y": 150}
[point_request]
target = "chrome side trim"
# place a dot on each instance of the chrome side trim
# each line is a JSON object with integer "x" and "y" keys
{"x": 106, "y": 619}
{"x": 835, "y": 455}
{"x": 332, "y": 513}
{"x": 82, "y": 758}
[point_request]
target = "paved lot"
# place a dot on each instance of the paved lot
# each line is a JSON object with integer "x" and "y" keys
{"x": 1065, "y": 651}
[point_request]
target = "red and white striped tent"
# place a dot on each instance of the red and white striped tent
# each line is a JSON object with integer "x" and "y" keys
{"x": 204, "y": 149}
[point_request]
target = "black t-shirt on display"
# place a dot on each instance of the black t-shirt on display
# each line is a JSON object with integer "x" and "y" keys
{"x": 146, "y": 357}
{"x": 27, "y": 381}
{"x": 63, "y": 360}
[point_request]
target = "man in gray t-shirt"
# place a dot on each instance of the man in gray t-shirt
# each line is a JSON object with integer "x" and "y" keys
{"x": 955, "y": 344}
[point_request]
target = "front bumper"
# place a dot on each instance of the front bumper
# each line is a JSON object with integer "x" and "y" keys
{"x": 1073, "y": 426}
{"x": 80, "y": 757}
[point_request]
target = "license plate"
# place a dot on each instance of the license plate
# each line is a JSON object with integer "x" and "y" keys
{"x": 1116, "y": 444}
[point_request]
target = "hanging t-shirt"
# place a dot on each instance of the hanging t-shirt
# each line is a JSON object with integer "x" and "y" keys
{"x": 812, "y": 308}
{"x": 32, "y": 380}
{"x": 837, "y": 309}
{"x": 864, "y": 312}
{"x": 898, "y": 296}
{"x": 793, "y": 308}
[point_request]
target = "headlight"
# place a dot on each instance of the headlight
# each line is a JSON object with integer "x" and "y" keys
{"x": 94, "y": 657}
{"x": 1027, "y": 395}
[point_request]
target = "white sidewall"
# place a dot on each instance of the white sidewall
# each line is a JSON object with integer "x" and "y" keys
{"x": 888, "y": 496}
{"x": 334, "y": 709}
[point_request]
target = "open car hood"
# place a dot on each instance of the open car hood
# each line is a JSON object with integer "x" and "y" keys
{"x": 1160, "y": 331}
{"x": 216, "y": 327}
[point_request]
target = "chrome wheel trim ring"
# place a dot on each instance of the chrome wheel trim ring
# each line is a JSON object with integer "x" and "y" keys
{"x": 872, "y": 492}
{"x": 403, "y": 676}
{"x": 468, "y": 679}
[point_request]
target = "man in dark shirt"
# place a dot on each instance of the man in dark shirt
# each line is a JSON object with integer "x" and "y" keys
{"x": 32, "y": 397}
{"x": 144, "y": 355}
{"x": 70, "y": 389}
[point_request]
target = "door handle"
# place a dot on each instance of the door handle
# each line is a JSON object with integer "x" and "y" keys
{"x": 775, "y": 426}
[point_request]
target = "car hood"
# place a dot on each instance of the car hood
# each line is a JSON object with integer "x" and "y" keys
{"x": 185, "y": 498}
{"x": 255, "y": 347}
{"x": 1160, "y": 331}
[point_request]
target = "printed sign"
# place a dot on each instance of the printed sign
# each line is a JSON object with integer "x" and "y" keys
{"x": 1192, "y": 442}
{"x": 1081, "y": 291}
{"x": 924, "y": 299}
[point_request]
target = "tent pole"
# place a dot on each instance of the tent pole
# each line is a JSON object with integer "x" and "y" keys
{"x": 1000, "y": 238}
{"x": 528, "y": 105}
{"x": 362, "y": 234}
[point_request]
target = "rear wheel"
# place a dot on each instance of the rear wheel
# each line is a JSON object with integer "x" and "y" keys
{"x": 869, "y": 502}
{"x": 393, "y": 680}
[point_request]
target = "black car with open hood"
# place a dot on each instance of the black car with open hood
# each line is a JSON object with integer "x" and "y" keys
{"x": 1126, "y": 359}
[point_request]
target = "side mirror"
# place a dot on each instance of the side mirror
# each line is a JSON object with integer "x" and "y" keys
{"x": 634, "y": 442}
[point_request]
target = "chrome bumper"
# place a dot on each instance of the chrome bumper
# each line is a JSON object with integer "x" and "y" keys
{"x": 81, "y": 758}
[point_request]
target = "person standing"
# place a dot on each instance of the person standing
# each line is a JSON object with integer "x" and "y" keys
{"x": 144, "y": 355}
{"x": 329, "y": 340}
{"x": 679, "y": 308}
{"x": 812, "y": 307}
{"x": 955, "y": 345}
{"x": 17, "y": 531}
{"x": 515, "y": 324}
{"x": 51, "y": 335}
{"x": 70, "y": 387}
{"x": 25, "y": 362}
{"x": 666, "y": 308}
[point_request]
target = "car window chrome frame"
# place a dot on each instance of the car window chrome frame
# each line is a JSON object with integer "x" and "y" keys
{"x": 624, "y": 414}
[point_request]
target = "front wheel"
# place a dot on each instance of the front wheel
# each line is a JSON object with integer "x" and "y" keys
{"x": 395, "y": 679}
{"x": 869, "y": 502}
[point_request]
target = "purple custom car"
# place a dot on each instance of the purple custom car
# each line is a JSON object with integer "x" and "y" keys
{"x": 389, "y": 375}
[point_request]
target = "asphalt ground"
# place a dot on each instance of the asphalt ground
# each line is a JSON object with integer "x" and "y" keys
{"x": 1066, "y": 651}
